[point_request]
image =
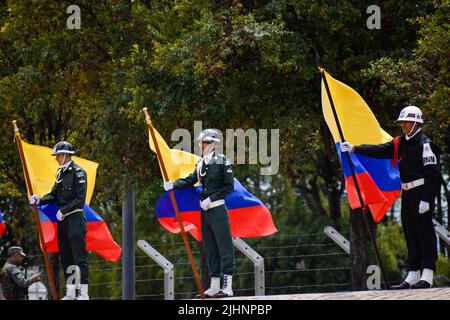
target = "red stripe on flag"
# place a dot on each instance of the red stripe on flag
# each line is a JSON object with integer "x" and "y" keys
{"x": 49, "y": 230}
{"x": 98, "y": 239}
{"x": 191, "y": 224}
{"x": 379, "y": 209}
{"x": 2, "y": 229}
{"x": 248, "y": 222}
{"x": 368, "y": 188}
{"x": 377, "y": 200}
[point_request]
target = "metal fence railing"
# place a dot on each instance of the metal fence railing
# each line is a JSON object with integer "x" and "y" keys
{"x": 278, "y": 264}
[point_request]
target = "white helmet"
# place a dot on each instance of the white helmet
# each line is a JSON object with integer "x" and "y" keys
{"x": 209, "y": 135}
{"x": 411, "y": 113}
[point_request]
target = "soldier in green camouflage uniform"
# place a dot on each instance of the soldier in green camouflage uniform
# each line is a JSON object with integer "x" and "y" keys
{"x": 14, "y": 285}
{"x": 216, "y": 176}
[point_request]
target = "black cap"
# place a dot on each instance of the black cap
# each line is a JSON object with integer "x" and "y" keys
{"x": 63, "y": 147}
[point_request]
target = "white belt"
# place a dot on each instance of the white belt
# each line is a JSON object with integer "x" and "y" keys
{"x": 74, "y": 211}
{"x": 413, "y": 184}
{"x": 216, "y": 203}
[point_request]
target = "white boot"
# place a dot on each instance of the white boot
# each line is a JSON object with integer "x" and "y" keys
{"x": 70, "y": 292}
{"x": 427, "y": 275}
{"x": 83, "y": 292}
{"x": 214, "y": 288}
{"x": 413, "y": 277}
{"x": 226, "y": 290}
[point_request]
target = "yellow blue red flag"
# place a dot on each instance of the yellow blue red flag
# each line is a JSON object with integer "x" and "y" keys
{"x": 378, "y": 179}
{"x": 42, "y": 168}
{"x": 249, "y": 217}
{"x": 2, "y": 225}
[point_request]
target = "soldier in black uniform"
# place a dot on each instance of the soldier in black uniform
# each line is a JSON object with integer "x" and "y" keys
{"x": 416, "y": 156}
{"x": 69, "y": 191}
{"x": 14, "y": 285}
{"x": 216, "y": 176}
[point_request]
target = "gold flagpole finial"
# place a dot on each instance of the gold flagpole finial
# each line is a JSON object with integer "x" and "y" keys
{"x": 16, "y": 128}
{"x": 147, "y": 116}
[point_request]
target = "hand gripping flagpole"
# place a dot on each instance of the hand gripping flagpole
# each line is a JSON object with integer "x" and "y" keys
{"x": 48, "y": 265}
{"x": 174, "y": 204}
{"x": 364, "y": 207}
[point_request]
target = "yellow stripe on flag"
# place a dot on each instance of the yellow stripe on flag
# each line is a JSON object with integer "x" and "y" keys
{"x": 358, "y": 123}
{"x": 179, "y": 164}
{"x": 42, "y": 168}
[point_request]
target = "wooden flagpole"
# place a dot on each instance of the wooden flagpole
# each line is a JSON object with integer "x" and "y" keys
{"x": 174, "y": 204}
{"x": 48, "y": 265}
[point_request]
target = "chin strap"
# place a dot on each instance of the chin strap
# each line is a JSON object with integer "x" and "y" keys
{"x": 409, "y": 136}
{"x": 209, "y": 149}
{"x": 61, "y": 169}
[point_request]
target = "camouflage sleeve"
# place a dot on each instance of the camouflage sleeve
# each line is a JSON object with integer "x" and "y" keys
{"x": 18, "y": 277}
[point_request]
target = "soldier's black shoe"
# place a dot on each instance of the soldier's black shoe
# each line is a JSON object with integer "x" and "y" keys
{"x": 422, "y": 284}
{"x": 402, "y": 286}
{"x": 223, "y": 294}
{"x": 198, "y": 296}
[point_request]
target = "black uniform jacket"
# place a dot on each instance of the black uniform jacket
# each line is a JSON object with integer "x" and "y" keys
{"x": 416, "y": 158}
{"x": 69, "y": 190}
{"x": 216, "y": 178}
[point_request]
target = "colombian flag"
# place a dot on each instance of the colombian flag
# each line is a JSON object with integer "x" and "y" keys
{"x": 42, "y": 168}
{"x": 2, "y": 225}
{"x": 378, "y": 180}
{"x": 249, "y": 217}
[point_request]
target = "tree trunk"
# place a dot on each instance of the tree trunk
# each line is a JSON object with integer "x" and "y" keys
{"x": 334, "y": 204}
{"x": 327, "y": 170}
{"x": 358, "y": 250}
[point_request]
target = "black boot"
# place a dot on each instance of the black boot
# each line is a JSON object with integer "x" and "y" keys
{"x": 422, "y": 284}
{"x": 222, "y": 294}
{"x": 402, "y": 286}
{"x": 198, "y": 296}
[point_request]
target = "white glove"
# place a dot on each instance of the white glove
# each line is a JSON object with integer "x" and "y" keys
{"x": 204, "y": 204}
{"x": 423, "y": 207}
{"x": 168, "y": 185}
{"x": 346, "y": 147}
{"x": 60, "y": 216}
{"x": 34, "y": 199}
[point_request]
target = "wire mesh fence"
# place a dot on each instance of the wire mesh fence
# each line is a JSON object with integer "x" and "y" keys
{"x": 294, "y": 263}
